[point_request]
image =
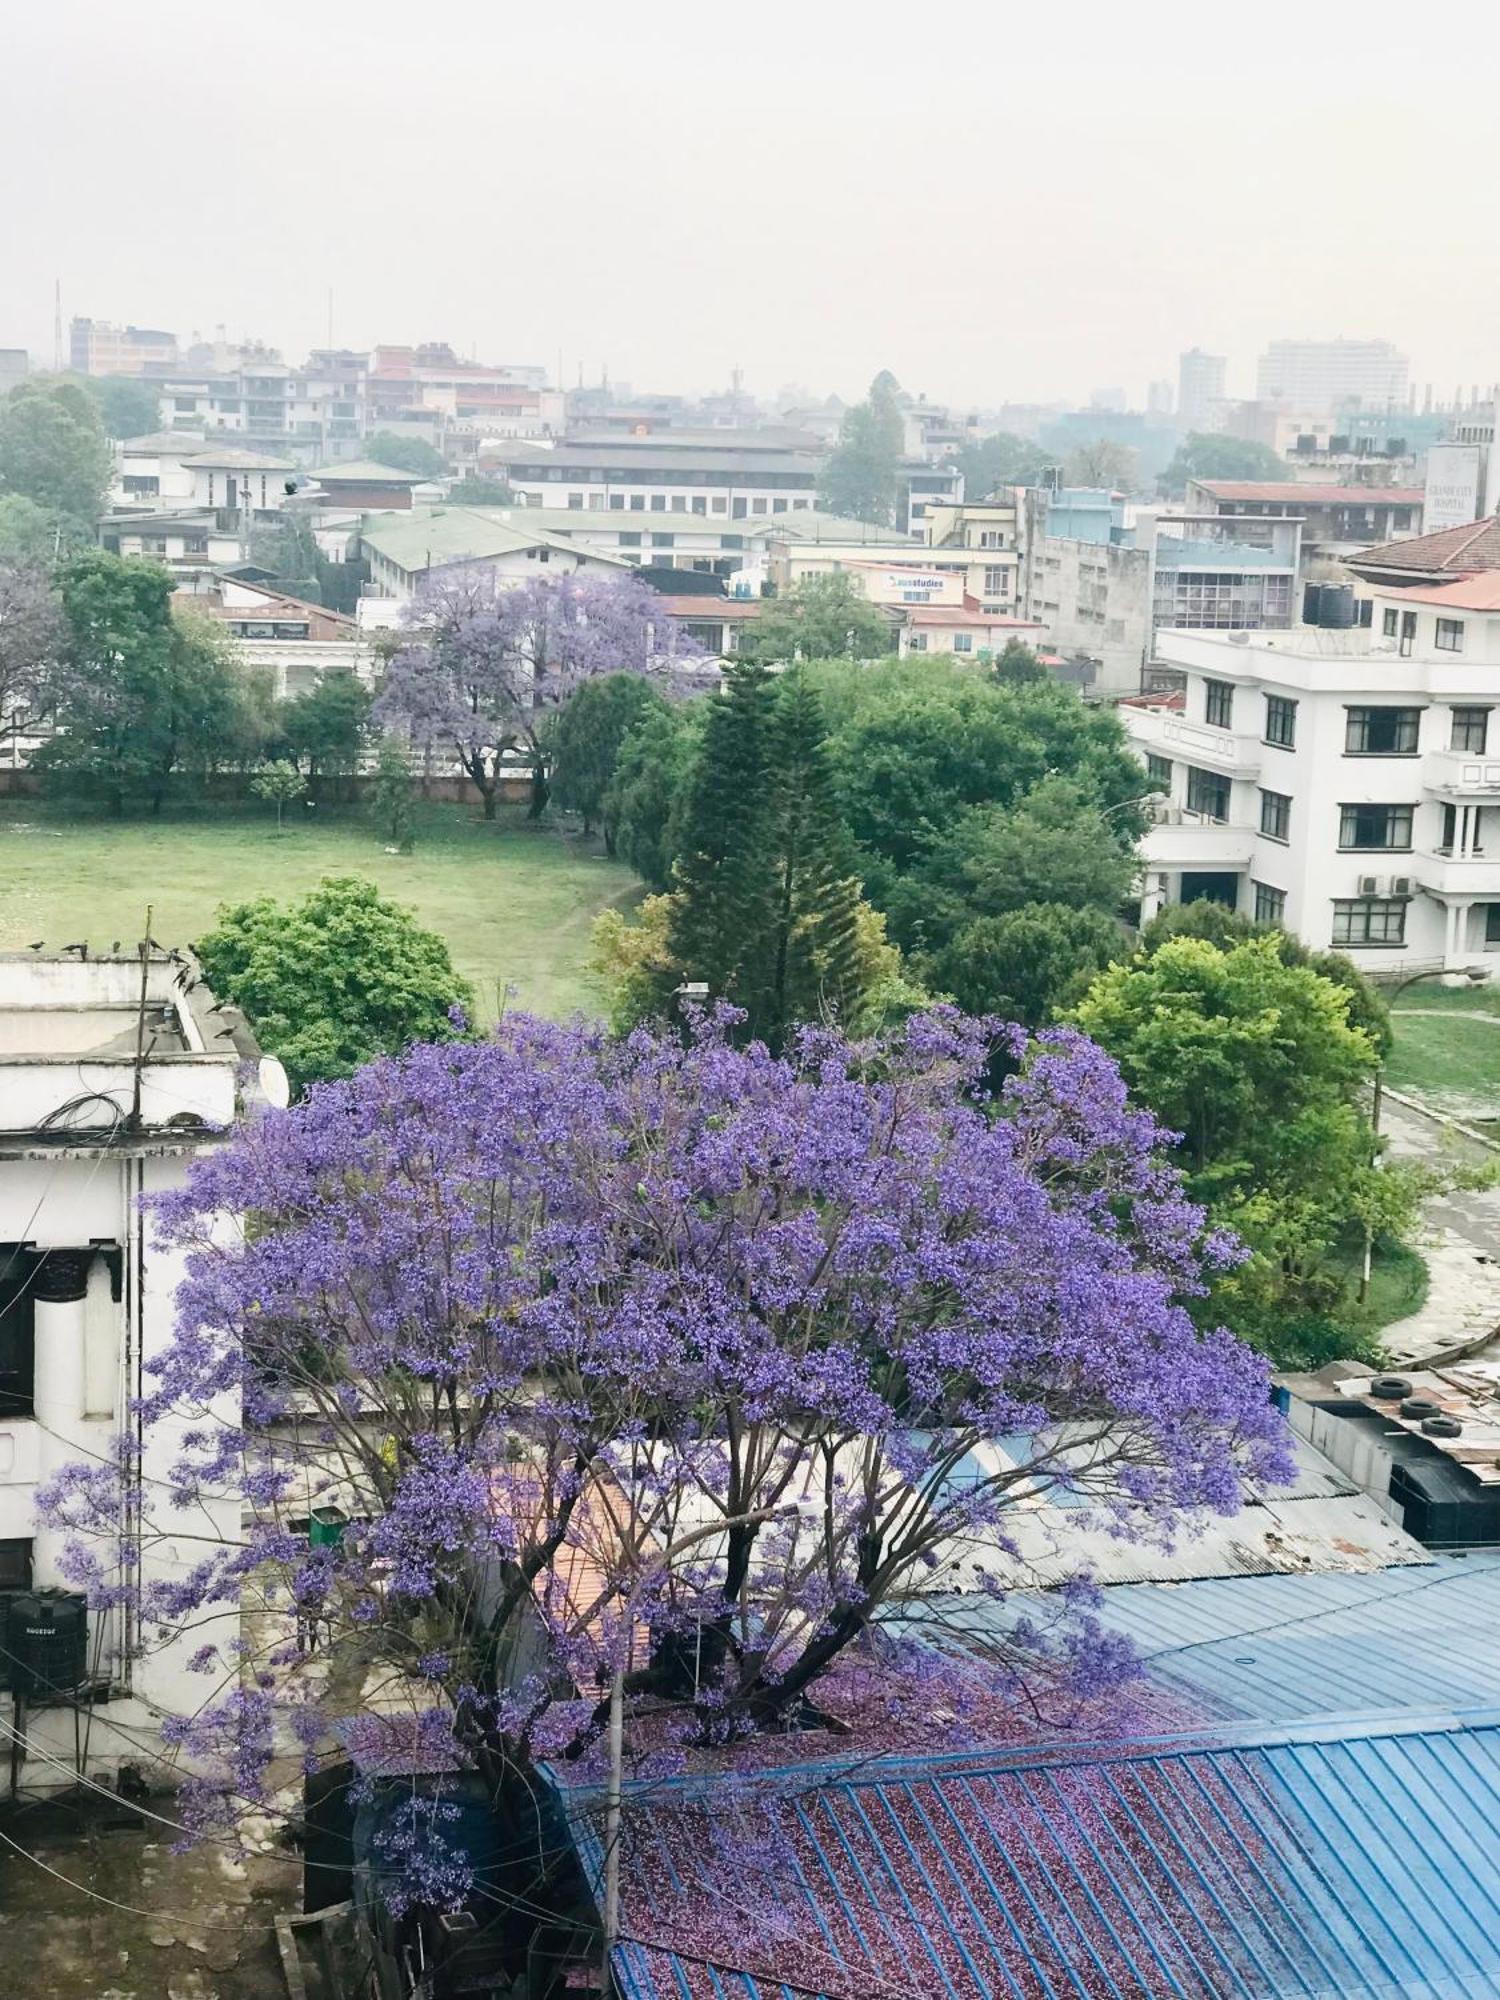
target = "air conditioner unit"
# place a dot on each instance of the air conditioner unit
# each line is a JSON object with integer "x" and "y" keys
{"x": 1401, "y": 885}
{"x": 1369, "y": 885}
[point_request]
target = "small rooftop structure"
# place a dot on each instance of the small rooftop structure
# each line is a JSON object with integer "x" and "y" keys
{"x": 111, "y": 1049}
{"x": 365, "y": 472}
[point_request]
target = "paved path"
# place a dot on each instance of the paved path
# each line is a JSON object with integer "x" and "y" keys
{"x": 1460, "y": 1238}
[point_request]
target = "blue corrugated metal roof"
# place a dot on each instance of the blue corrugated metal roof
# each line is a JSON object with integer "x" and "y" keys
{"x": 1297, "y": 1871}
{"x": 1278, "y": 1649}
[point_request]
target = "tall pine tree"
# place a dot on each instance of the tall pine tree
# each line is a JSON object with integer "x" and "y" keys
{"x": 766, "y": 902}
{"x": 815, "y": 972}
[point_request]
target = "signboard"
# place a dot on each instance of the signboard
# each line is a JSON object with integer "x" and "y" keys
{"x": 899, "y": 585}
{"x": 1453, "y": 486}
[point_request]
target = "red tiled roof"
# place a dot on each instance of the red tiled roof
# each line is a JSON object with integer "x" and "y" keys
{"x": 965, "y": 614}
{"x": 1315, "y": 496}
{"x": 1462, "y": 551}
{"x": 1470, "y": 593}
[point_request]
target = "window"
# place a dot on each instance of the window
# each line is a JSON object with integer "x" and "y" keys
{"x": 1369, "y": 920}
{"x": 17, "y": 1277}
{"x": 1281, "y": 721}
{"x": 1471, "y": 729}
{"x": 575, "y": 501}
{"x": 658, "y": 503}
{"x": 1218, "y": 704}
{"x": 757, "y": 506}
{"x": 720, "y": 504}
{"x": 637, "y": 503}
{"x": 1270, "y": 904}
{"x": 1207, "y": 793}
{"x": 1381, "y": 732}
{"x": 778, "y": 506}
{"x": 1408, "y": 633}
{"x": 663, "y": 541}
{"x": 996, "y": 580}
{"x": 700, "y": 504}
{"x": 1492, "y": 923}
{"x": 1449, "y": 636}
{"x": 15, "y": 1563}
{"x": 617, "y": 503}
{"x": 629, "y": 540}
{"x": 1276, "y": 815}
{"x": 917, "y": 643}
{"x": 1363, "y": 827}
{"x": 990, "y": 538}
{"x": 963, "y": 642}
{"x": 1159, "y": 771}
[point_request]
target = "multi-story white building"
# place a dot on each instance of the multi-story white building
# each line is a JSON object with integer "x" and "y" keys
{"x": 1343, "y": 783}
{"x": 1322, "y": 374}
{"x": 114, "y": 1076}
{"x": 736, "y": 476}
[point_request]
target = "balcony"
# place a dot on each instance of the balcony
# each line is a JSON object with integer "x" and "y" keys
{"x": 1456, "y": 875}
{"x": 1459, "y": 774}
{"x": 1167, "y": 734}
{"x": 1187, "y": 840}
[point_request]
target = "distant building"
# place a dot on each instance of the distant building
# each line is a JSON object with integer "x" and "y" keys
{"x": 362, "y": 483}
{"x": 406, "y": 550}
{"x": 1200, "y": 388}
{"x": 510, "y": 401}
{"x": 1159, "y": 399}
{"x": 1336, "y": 520}
{"x": 737, "y": 475}
{"x": 97, "y": 348}
{"x": 1319, "y": 375}
{"x": 15, "y": 364}
{"x": 922, "y": 486}
{"x": 93, "y": 1129}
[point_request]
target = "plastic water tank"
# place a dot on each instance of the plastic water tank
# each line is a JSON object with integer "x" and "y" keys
{"x": 46, "y": 1638}
{"x": 1338, "y": 609}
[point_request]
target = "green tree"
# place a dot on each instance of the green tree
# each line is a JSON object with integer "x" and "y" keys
{"x": 1018, "y": 663}
{"x": 1255, "y": 1063}
{"x": 1002, "y": 459}
{"x": 475, "y": 491}
{"x": 53, "y": 449}
{"x": 822, "y": 618}
{"x": 333, "y": 979}
{"x": 859, "y": 477}
{"x": 587, "y": 739}
{"x": 139, "y": 694}
{"x": 1026, "y": 965}
{"x": 32, "y": 534}
{"x": 406, "y": 454}
{"x": 643, "y": 808}
{"x": 391, "y": 796}
{"x": 1225, "y": 928}
{"x": 1204, "y": 455}
{"x": 128, "y": 406}
{"x": 281, "y": 784}
{"x": 1053, "y": 846}
{"x": 288, "y": 551}
{"x": 1101, "y": 462}
{"x": 327, "y": 724}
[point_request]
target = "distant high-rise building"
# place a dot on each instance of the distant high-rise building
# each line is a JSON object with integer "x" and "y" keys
{"x": 13, "y": 366}
{"x": 1324, "y": 374}
{"x": 97, "y": 348}
{"x": 1159, "y": 399}
{"x": 1200, "y": 385}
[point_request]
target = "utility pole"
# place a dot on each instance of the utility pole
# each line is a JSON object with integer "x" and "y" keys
{"x": 57, "y": 326}
{"x": 612, "y": 1820}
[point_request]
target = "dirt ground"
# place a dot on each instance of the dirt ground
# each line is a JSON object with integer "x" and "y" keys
{"x": 197, "y": 1926}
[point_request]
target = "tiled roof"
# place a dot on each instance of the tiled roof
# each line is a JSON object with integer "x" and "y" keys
{"x": 1461, "y": 551}
{"x": 966, "y": 614}
{"x": 1470, "y": 593}
{"x": 366, "y": 472}
{"x": 1365, "y": 1868}
{"x": 1316, "y": 496}
{"x": 429, "y": 537}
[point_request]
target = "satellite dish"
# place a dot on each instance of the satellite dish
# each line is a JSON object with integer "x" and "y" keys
{"x": 274, "y": 1084}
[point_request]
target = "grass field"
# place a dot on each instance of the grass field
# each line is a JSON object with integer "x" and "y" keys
{"x": 1443, "y": 1055}
{"x": 514, "y": 902}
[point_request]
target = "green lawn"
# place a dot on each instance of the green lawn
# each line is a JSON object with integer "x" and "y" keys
{"x": 1446, "y": 1060}
{"x": 514, "y": 902}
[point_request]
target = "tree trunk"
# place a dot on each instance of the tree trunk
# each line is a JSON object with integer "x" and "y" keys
{"x": 540, "y": 791}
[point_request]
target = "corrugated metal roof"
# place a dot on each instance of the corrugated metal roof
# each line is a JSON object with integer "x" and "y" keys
{"x": 1297, "y": 1871}
{"x": 1282, "y": 1649}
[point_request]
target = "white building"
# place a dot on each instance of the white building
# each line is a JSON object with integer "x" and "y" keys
{"x": 734, "y": 475}
{"x": 1344, "y": 783}
{"x": 1322, "y": 374}
{"x": 405, "y": 550}
{"x": 1200, "y": 389}
{"x": 113, "y": 1077}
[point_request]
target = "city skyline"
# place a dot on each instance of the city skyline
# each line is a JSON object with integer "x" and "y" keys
{"x": 676, "y": 210}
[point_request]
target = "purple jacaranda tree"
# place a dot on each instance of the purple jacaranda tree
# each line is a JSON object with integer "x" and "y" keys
{"x": 660, "y": 1359}
{"x": 486, "y": 663}
{"x": 33, "y": 635}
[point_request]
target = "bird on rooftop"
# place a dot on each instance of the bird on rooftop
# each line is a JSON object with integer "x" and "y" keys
{"x": 37, "y": 946}
{"x": 76, "y": 947}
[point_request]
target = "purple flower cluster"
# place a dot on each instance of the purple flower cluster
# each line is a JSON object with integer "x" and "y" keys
{"x": 672, "y": 1358}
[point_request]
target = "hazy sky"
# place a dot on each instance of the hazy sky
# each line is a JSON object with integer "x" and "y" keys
{"x": 996, "y": 201}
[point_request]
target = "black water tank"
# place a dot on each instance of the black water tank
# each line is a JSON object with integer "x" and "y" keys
{"x": 1337, "y": 613}
{"x": 46, "y": 1642}
{"x": 1312, "y": 604}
